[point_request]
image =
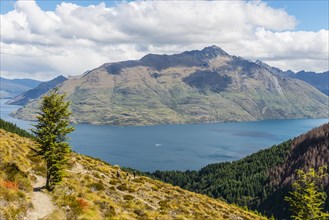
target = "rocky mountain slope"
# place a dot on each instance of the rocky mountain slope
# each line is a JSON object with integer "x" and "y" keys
{"x": 261, "y": 180}
{"x": 11, "y": 87}
{"x": 192, "y": 87}
{"x": 318, "y": 80}
{"x": 36, "y": 92}
{"x": 94, "y": 190}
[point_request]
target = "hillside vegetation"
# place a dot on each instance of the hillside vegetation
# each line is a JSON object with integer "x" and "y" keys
{"x": 16, "y": 164}
{"x": 8, "y": 126}
{"x": 261, "y": 180}
{"x": 93, "y": 189}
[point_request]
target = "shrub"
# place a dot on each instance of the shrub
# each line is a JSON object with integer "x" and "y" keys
{"x": 83, "y": 204}
{"x": 96, "y": 175}
{"x": 164, "y": 204}
{"x": 10, "y": 185}
{"x": 128, "y": 197}
{"x": 138, "y": 180}
{"x": 97, "y": 186}
{"x": 11, "y": 170}
{"x": 141, "y": 213}
{"x": 123, "y": 187}
{"x": 113, "y": 182}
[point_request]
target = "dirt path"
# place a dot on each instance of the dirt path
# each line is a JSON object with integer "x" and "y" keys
{"x": 42, "y": 204}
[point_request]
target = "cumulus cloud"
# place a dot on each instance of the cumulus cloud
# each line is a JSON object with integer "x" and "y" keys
{"x": 73, "y": 39}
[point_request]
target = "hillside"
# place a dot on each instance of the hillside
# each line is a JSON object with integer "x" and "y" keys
{"x": 93, "y": 189}
{"x": 261, "y": 180}
{"x": 11, "y": 87}
{"x": 310, "y": 150}
{"x": 36, "y": 92}
{"x": 10, "y": 127}
{"x": 318, "y": 80}
{"x": 191, "y": 87}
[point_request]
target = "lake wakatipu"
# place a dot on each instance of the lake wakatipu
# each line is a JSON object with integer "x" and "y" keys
{"x": 177, "y": 147}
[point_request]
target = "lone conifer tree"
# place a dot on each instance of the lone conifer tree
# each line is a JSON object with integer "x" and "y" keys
{"x": 307, "y": 201}
{"x": 50, "y": 131}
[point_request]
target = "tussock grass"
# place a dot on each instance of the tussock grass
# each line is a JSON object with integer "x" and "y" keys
{"x": 16, "y": 166}
{"x": 112, "y": 193}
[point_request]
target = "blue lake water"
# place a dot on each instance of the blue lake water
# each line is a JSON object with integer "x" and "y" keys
{"x": 177, "y": 147}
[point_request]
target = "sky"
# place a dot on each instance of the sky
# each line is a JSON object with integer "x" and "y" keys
{"x": 44, "y": 39}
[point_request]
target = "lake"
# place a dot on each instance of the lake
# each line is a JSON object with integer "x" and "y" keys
{"x": 177, "y": 147}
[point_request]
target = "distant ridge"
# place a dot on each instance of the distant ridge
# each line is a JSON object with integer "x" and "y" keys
{"x": 12, "y": 87}
{"x": 35, "y": 93}
{"x": 318, "y": 80}
{"x": 197, "y": 86}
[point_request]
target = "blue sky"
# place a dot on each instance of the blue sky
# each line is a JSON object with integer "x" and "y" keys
{"x": 41, "y": 43}
{"x": 7, "y": 5}
{"x": 312, "y": 15}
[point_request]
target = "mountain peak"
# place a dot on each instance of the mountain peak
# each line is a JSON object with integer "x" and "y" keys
{"x": 61, "y": 77}
{"x": 207, "y": 52}
{"x": 214, "y": 50}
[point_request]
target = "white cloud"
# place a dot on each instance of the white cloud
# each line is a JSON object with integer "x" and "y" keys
{"x": 73, "y": 39}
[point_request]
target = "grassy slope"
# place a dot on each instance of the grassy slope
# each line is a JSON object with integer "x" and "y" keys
{"x": 92, "y": 190}
{"x": 15, "y": 182}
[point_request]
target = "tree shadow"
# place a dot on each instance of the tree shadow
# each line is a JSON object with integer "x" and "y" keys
{"x": 38, "y": 189}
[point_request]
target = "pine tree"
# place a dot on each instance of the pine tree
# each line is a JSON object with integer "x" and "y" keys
{"x": 307, "y": 201}
{"x": 50, "y": 131}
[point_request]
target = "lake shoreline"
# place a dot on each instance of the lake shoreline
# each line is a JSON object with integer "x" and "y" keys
{"x": 177, "y": 146}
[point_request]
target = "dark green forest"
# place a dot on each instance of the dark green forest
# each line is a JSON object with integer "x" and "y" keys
{"x": 259, "y": 181}
{"x": 13, "y": 128}
{"x": 239, "y": 182}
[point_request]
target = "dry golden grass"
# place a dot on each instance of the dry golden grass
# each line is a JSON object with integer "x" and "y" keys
{"x": 15, "y": 184}
{"x": 93, "y": 190}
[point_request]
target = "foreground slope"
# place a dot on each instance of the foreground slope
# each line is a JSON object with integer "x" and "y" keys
{"x": 190, "y": 87}
{"x": 261, "y": 180}
{"x": 96, "y": 190}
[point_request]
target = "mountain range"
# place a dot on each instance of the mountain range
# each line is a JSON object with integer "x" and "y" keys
{"x": 12, "y": 87}
{"x": 196, "y": 86}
